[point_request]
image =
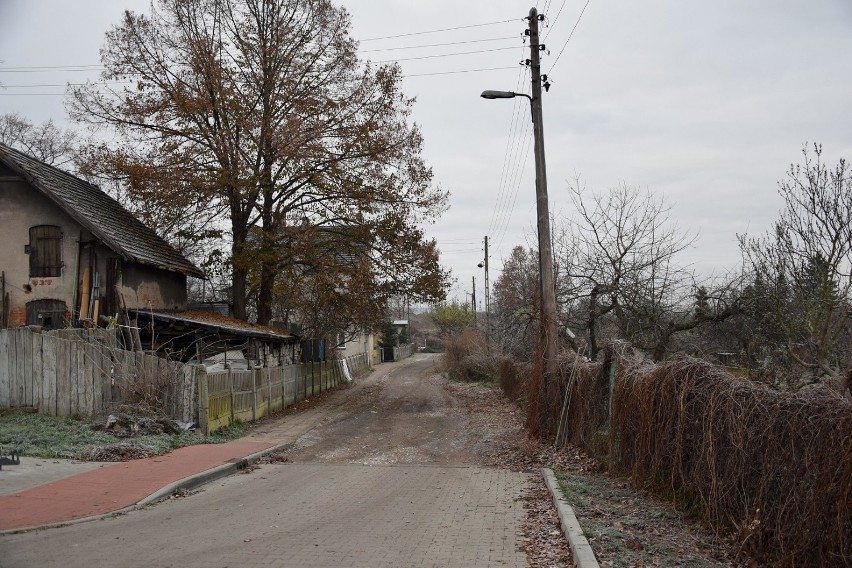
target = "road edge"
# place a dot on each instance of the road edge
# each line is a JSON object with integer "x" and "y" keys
{"x": 581, "y": 550}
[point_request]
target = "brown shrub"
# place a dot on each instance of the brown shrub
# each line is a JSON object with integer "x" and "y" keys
{"x": 774, "y": 468}
{"x": 466, "y": 357}
{"x": 513, "y": 377}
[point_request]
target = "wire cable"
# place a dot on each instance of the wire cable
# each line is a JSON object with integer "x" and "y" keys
{"x": 456, "y": 72}
{"x": 564, "y": 45}
{"x": 553, "y": 23}
{"x": 510, "y": 139}
{"x": 446, "y": 54}
{"x": 441, "y": 30}
{"x": 437, "y": 44}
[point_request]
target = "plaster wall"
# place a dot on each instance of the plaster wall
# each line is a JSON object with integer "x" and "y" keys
{"x": 22, "y": 207}
{"x": 146, "y": 287}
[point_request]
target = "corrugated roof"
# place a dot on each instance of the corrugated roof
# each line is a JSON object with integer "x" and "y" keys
{"x": 217, "y": 322}
{"x": 102, "y": 215}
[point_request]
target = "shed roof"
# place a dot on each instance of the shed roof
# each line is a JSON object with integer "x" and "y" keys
{"x": 217, "y": 323}
{"x": 99, "y": 213}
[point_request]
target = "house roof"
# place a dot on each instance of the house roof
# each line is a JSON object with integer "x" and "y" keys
{"x": 99, "y": 213}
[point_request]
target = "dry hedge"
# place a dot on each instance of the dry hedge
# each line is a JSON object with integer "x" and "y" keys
{"x": 466, "y": 358}
{"x": 774, "y": 468}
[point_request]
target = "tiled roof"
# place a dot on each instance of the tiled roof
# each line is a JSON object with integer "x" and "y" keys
{"x": 99, "y": 213}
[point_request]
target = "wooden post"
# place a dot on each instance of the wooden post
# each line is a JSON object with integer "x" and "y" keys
{"x": 254, "y": 376}
{"x": 203, "y": 400}
{"x": 231, "y": 388}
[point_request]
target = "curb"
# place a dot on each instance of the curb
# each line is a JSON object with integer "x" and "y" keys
{"x": 204, "y": 477}
{"x": 581, "y": 551}
{"x": 189, "y": 482}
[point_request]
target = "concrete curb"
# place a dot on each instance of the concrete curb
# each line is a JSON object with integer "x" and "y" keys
{"x": 189, "y": 482}
{"x": 580, "y": 548}
{"x": 204, "y": 477}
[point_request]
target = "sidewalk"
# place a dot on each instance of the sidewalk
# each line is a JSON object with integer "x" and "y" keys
{"x": 125, "y": 485}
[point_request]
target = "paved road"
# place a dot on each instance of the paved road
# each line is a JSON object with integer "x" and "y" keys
{"x": 334, "y": 507}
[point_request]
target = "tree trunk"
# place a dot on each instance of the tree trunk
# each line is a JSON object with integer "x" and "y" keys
{"x": 239, "y": 279}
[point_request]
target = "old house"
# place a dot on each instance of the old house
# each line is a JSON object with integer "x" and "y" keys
{"x": 70, "y": 253}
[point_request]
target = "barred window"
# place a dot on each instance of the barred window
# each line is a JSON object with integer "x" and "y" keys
{"x": 45, "y": 251}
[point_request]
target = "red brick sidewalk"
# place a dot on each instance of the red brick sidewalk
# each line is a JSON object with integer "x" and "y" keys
{"x": 111, "y": 488}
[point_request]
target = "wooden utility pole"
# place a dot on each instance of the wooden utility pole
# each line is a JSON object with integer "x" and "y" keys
{"x": 549, "y": 332}
{"x": 473, "y": 298}
{"x": 487, "y": 300}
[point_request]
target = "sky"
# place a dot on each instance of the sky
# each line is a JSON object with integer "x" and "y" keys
{"x": 705, "y": 104}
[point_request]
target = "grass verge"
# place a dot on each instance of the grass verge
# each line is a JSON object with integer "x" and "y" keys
{"x": 39, "y": 435}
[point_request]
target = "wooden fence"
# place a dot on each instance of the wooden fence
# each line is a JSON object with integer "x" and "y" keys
{"x": 230, "y": 396}
{"x": 82, "y": 372}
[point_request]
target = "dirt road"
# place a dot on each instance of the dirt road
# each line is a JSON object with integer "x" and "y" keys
{"x": 402, "y": 417}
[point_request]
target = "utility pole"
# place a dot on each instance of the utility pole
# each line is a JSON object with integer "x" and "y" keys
{"x": 473, "y": 298}
{"x": 487, "y": 301}
{"x": 545, "y": 249}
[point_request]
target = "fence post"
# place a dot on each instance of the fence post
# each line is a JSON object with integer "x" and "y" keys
{"x": 269, "y": 406}
{"x": 203, "y": 400}
{"x": 231, "y": 388}
{"x": 254, "y": 373}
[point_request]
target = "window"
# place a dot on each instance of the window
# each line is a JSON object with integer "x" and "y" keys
{"x": 45, "y": 250}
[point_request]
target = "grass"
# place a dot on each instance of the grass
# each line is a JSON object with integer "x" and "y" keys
{"x": 39, "y": 435}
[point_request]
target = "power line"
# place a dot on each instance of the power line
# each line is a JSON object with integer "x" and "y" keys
{"x": 65, "y": 84}
{"x": 511, "y": 139}
{"x": 440, "y": 30}
{"x": 446, "y": 54}
{"x": 41, "y": 68}
{"x": 436, "y": 44}
{"x": 456, "y": 72}
{"x": 553, "y": 23}
{"x": 564, "y": 45}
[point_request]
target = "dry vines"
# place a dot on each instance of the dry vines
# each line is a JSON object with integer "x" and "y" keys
{"x": 774, "y": 468}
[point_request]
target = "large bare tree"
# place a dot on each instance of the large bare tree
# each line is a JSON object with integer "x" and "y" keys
{"x": 263, "y": 109}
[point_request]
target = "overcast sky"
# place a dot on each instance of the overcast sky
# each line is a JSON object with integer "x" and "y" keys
{"x": 704, "y": 103}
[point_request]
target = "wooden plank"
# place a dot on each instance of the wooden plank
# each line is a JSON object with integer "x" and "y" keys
{"x": 5, "y": 368}
{"x": 101, "y": 375}
{"x": 28, "y": 375}
{"x": 63, "y": 377}
{"x": 37, "y": 368}
{"x": 48, "y": 390}
{"x": 18, "y": 392}
{"x": 200, "y": 376}
{"x": 74, "y": 376}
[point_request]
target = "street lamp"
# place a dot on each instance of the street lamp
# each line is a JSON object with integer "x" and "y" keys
{"x": 545, "y": 254}
{"x": 503, "y": 95}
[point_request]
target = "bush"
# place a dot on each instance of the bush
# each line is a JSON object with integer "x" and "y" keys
{"x": 466, "y": 358}
{"x": 773, "y": 468}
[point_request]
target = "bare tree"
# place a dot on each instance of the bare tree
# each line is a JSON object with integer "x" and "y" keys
{"x": 802, "y": 268}
{"x": 46, "y": 141}
{"x": 620, "y": 276}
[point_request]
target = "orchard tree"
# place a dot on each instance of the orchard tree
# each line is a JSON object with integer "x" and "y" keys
{"x": 802, "y": 269}
{"x": 620, "y": 274}
{"x": 261, "y": 109}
